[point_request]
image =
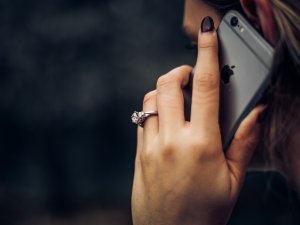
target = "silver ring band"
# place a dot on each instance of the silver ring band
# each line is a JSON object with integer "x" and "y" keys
{"x": 140, "y": 117}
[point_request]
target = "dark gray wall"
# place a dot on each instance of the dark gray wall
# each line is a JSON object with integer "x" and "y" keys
{"x": 71, "y": 74}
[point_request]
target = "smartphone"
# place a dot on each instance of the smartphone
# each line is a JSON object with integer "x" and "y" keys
{"x": 245, "y": 59}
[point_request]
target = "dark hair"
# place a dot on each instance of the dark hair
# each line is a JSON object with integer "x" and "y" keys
{"x": 224, "y": 5}
{"x": 281, "y": 118}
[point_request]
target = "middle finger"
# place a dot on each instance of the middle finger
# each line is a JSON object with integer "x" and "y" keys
{"x": 170, "y": 101}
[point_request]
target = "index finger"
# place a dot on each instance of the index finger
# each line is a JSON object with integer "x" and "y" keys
{"x": 205, "y": 98}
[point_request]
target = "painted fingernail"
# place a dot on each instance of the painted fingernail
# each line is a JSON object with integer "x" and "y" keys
{"x": 207, "y": 24}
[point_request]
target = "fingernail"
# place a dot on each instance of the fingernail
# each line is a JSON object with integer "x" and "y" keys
{"x": 207, "y": 24}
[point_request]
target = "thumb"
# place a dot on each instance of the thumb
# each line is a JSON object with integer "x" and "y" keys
{"x": 243, "y": 144}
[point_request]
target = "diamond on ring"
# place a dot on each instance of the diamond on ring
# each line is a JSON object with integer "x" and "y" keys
{"x": 140, "y": 117}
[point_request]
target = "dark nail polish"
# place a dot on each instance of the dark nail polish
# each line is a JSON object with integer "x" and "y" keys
{"x": 207, "y": 24}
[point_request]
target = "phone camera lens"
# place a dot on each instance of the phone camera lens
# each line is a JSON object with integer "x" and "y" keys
{"x": 234, "y": 21}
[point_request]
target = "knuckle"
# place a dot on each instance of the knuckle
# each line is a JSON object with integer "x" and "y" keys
{"x": 207, "y": 80}
{"x": 241, "y": 135}
{"x": 251, "y": 143}
{"x": 168, "y": 148}
{"x": 183, "y": 69}
{"x": 163, "y": 82}
{"x": 238, "y": 137}
{"x": 167, "y": 153}
{"x": 149, "y": 96}
{"x": 207, "y": 43}
{"x": 245, "y": 141}
{"x": 174, "y": 77}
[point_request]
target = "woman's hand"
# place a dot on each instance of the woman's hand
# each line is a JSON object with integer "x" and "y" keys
{"x": 182, "y": 176}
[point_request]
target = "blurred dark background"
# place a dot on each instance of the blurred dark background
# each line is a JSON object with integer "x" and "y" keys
{"x": 72, "y": 73}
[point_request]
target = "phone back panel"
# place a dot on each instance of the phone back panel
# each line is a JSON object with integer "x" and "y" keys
{"x": 248, "y": 56}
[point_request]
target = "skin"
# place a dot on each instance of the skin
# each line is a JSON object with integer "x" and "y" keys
{"x": 182, "y": 175}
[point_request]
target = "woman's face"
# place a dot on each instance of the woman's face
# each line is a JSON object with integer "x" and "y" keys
{"x": 194, "y": 12}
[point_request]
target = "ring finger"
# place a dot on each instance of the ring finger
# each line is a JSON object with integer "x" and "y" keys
{"x": 151, "y": 123}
